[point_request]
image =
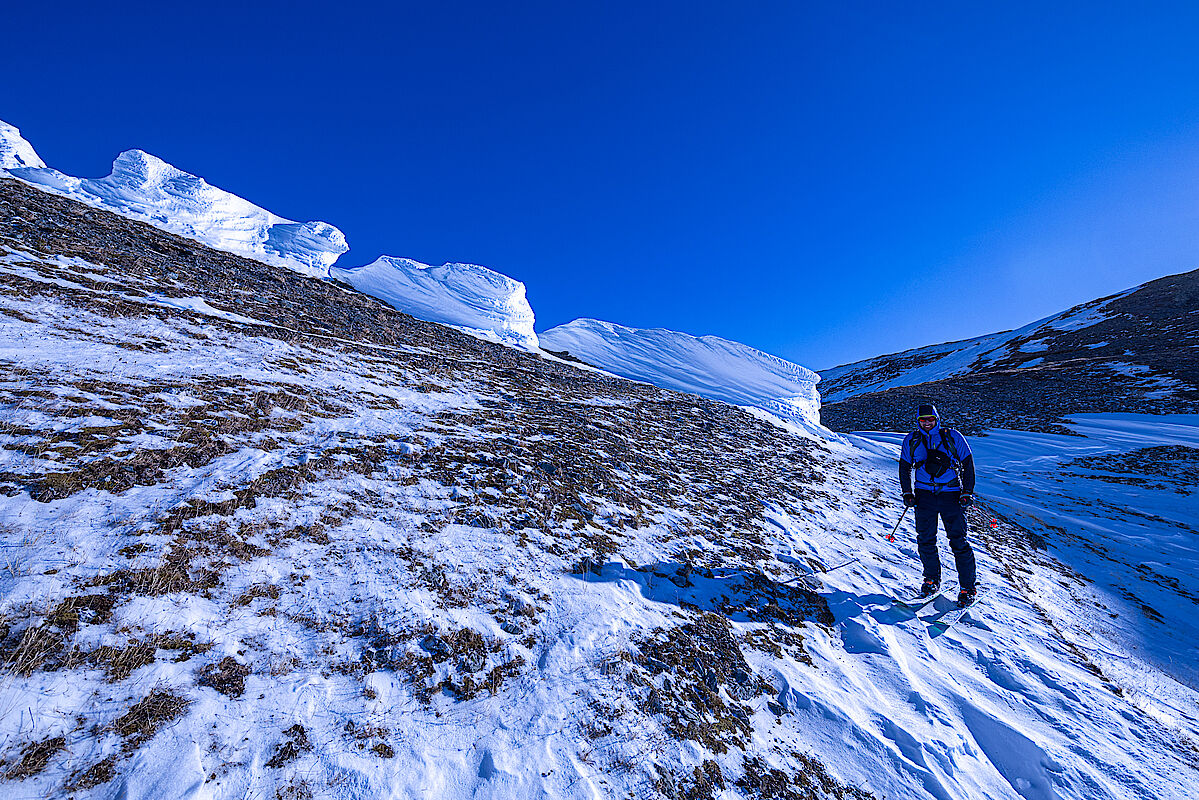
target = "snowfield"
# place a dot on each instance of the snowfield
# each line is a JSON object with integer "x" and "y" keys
{"x": 705, "y": 365}
{"x": 1116, "y": 502}
{"x": 268, "y": 538}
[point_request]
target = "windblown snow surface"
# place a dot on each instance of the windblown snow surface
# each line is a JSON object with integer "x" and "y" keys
{"x": 475, "y": 299}
{"x": 146, "y": 188}
{"x": 1116, "y": 502}
{"x": 705, "y": 365}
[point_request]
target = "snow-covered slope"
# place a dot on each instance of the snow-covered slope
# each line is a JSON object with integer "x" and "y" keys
{"x": 705, "y": 365}
{"x": 270, "y": 538}
{"x": 147, "y": 188}
{"x": 476, "y": 299}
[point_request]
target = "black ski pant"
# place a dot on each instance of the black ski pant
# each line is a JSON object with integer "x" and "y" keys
{"x": 929, "y": 506}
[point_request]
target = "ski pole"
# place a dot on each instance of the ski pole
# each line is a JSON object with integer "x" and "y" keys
{"x": 821, "y": 570}
{"x": 891, "y": 535}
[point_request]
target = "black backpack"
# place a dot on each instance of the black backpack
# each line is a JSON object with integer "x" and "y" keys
{"x": 936, "y": 462}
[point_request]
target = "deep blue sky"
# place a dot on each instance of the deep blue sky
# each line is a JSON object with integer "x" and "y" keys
{"x": 826, "y": 181}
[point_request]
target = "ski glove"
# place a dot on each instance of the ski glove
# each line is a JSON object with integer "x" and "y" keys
{"x": 909, "y": 500}
{"x": 966, "y": 500}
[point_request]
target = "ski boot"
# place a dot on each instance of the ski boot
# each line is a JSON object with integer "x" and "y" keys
{"x": 966, "y": 596}
{"x": 929, "y": 587}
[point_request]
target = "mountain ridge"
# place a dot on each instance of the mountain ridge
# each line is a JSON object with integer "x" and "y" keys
{"x": 147, "y": 188}
{"x": 1136, "y": 350}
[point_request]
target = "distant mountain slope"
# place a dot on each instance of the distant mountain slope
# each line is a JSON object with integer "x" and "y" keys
{"x": 1133, "y": 351}
{"x": 705, "y": 365}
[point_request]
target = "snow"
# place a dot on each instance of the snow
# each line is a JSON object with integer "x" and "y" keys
{"x": 474, "y": 299}
{"x": 15, "y": 152}
{"x": 1157, "y": 386}
{"x": 705, "y": 365}
{"x": 146, "y": 188}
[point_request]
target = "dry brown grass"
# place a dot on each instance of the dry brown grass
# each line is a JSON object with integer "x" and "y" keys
{"x": 34, "y": 758}
{"x": 95, "y": 775}
{"x": 288, "y": 751}
{"x": 138, "y": 725}
{"x": 810, "y": 780}
{"x": 227, "y": 676}
{"x": 121, "y": 662}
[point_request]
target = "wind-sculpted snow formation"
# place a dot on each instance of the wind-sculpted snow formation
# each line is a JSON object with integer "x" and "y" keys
{"x": 705, "y": 365}
{"x": 142, "y": 187}
{"x": 467, "y": 296}
{"x": 15, "y": 152}
{"x": 146, "y": 188}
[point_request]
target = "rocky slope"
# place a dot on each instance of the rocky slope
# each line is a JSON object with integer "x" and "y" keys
{"x": 239, "y": 452}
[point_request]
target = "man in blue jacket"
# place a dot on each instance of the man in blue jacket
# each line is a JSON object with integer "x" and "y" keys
{"x": 944, "y": 488}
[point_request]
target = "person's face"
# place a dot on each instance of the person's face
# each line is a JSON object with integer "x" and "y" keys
{"x": 927, "y": 423}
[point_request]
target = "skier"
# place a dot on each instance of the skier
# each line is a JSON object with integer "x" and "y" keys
{"x": 945, "y": 488}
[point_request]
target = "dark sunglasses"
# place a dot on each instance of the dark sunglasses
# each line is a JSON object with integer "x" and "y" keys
{"x": 922, "y": 419}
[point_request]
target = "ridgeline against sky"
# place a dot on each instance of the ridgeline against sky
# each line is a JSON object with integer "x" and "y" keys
{"x": 822, "y": 183}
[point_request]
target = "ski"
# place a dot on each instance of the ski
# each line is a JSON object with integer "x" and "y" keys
{"x": 951, "y": 618}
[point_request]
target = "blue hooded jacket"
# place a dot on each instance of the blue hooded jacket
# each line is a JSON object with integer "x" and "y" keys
{"x": 915, "y": 450}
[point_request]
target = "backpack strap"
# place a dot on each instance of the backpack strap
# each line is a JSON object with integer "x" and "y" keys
{"x": 952, "y": 450}
{"x": 950, "y": 447}
{"x": 916, "y": 439}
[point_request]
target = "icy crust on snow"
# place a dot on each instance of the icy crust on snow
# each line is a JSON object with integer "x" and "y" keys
{"x": 15, "y": 152}
{"x": 705, "y": 365}
{"x": 146, "y": 188}
{"x": 474, "y": 299}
